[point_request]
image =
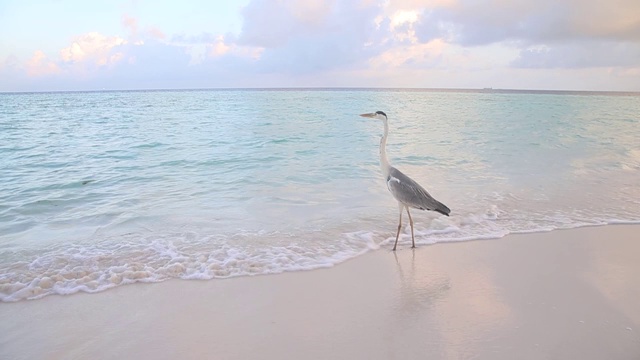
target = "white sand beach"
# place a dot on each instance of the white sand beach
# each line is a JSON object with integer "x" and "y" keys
{"x": 567, "y": 294}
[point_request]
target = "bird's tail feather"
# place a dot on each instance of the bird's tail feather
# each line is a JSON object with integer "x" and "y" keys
{"x": 442, "y": 209}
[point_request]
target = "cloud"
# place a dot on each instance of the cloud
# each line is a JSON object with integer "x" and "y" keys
{"x": 10, "y": 62}
{"x": 272, "y": 24}
{"x": 481, "y": 22}
{"x": 463, "y": 43}
{"x": 303, "y": 37}
{"x": 218, "y": 47}
{"x": 95, "y": 48}
{"x": 416, "y": 55}
{"x": 582, "y": 54}
{"x": 547, "y": 33}
{"x": 40, "y": 65}
{"x": 130, "y": 24}
{"x": 184, "y": 39}
{"x": 152, "y": 62}
{"x": 156, "y": 33}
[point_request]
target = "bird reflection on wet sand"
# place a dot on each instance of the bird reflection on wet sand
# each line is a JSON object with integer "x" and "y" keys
{"x": 420, "y": 287}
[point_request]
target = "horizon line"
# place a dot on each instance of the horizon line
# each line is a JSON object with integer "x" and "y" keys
{"x": 339, "y": 88}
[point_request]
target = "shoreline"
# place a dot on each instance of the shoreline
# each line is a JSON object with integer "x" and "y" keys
{"x": 570, "y": 293}
{"x": 28, "y": 293}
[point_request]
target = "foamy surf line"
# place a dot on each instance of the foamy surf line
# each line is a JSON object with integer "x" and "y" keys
{"x": 98, "y": 267}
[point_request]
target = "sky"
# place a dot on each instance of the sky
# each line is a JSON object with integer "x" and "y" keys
{"x": 64, "y": 45}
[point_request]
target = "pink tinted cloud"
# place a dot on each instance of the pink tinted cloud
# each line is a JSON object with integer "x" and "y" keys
{"x": 156, "y": 33}
{"x": 40, "y": 65}
{"x": 93, "y": 48}
{"x": 131, "y": 24}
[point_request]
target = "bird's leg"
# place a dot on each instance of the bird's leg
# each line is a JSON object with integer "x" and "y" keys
{"x": 400, "y": 206}
{"x": 413, "y": 240}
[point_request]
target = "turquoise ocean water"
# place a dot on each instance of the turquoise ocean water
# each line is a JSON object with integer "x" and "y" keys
{"x": 99, "y": 189}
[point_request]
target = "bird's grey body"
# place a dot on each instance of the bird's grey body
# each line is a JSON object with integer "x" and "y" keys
{"x": 410, "y": 193}
{"x": 405, "y": 190}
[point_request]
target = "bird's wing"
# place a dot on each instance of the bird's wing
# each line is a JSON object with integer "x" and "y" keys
{"x": 409, "y": 192}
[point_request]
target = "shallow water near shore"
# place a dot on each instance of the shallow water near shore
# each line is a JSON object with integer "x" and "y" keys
{"x": 100, "y": 189}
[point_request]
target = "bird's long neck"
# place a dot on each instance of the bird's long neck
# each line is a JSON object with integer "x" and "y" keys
{"x": 385, "y": 166}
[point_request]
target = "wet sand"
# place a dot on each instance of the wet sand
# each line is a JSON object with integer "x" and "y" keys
{"x": 569, "y": 294}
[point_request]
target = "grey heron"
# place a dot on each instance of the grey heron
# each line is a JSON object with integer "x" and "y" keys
{"x": 404, "y": 189}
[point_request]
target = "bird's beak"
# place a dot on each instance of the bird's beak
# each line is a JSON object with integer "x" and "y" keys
{"x": 370, "y": 115}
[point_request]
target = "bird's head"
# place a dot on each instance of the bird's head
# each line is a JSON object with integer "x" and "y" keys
{"x": 376, "y": 115}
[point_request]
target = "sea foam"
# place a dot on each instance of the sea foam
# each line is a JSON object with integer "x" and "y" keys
{"x": 133, "y": 258}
